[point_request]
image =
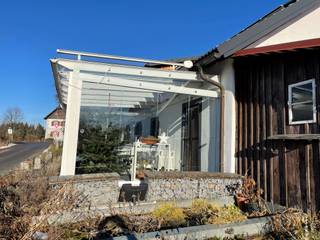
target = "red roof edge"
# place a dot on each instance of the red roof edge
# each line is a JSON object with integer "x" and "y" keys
{"x": 279, "y": 47}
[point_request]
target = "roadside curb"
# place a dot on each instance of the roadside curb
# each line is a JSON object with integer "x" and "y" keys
{"x": 7, "y": 146}
{"x": 249, "y": 227}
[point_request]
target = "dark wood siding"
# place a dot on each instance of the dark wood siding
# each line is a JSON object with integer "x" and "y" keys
{"x": 287, "y": 170}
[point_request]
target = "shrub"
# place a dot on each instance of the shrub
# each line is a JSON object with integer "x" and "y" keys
{"x": 226, "y": 214}
{"x": 168, "y": 214}
{"x": 199, "y": 212}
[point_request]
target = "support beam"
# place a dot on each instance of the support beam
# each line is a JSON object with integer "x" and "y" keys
{"x": 110, "y": 105}
{"x": 70, "y": 141}
{"x": 89, "y": 75}
{"x": 108, "y": 102}
{"x": 94, "y": 102}
{"x": 107, "y": 98}
{"x": 227, "y": 78}
{"x": 122, "y": 58}
{"x": 116, "y": 81}
{"x": 98, "y": 67}
{"x": 103, "y": 92}
{"x": 104, "y": 87}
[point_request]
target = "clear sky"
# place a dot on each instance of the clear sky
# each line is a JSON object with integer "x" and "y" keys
{"x": 31, "y": 31}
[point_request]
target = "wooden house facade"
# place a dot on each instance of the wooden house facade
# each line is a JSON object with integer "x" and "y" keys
{"x": 283, "y": 156}
{"x": 271, "y": 73}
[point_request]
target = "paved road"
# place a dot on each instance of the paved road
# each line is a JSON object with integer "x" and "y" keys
{"x": 11, "y": 157}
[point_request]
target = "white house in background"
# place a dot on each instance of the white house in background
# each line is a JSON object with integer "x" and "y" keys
{"x": 55, "y": 122}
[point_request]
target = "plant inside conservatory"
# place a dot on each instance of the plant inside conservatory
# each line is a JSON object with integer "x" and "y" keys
{"x": 98, "y": 149}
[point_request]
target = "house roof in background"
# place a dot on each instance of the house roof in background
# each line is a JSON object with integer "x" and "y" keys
{"x": 265, "y": 25}
{"x": 57, "y": 113}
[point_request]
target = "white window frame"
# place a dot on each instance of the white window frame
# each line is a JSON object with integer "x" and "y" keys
{"x": 313, "y": 102}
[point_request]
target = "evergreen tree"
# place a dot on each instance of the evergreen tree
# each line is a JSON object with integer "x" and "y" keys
{"x": 21, "y": 132}
{"x": 98, "y": 150}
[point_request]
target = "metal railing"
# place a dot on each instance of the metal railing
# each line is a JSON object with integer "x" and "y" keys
{"x": 186, "y": 64}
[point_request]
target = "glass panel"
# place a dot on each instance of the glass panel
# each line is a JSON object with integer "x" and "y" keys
{"x": 175, "y": 131}
{"x": 104, "y": 134}
{"x": 302, "y": 112}
{"x": 302, "y": 93}
{"x": 302, "y": 102}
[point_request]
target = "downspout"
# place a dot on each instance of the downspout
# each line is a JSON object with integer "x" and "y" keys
{"x": 207, "y": 78}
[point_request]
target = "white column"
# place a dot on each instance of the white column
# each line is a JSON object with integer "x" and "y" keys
{"x": 227, "y": 78}
{"x": 70, "y": 141}
{"x": 134, "y": 160}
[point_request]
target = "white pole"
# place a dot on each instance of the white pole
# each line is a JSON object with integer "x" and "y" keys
{"x": 134, "y": 162}
{"x": 70, "y": 141}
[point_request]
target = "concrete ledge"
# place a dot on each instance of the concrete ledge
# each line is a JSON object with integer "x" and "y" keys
{"x": 84, "y": 177}
{"x": 193, "y": 175}
{"x": 249, "y": 227}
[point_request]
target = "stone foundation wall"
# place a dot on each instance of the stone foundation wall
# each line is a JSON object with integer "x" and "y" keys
{"x": 94, "y": 190}
{"x": 168, "y": 186}
{"x": 101, "y": 190}
{"x": 97, "y": 194}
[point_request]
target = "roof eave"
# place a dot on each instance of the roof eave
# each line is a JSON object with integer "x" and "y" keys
{"x": 53, "y": 63}
{"x": 258, "y": 30}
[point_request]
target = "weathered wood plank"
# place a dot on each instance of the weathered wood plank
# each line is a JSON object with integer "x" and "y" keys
{"x": 262, "y": 157}
{"x": 250, "y": 124}
{"x": 295, "y": 137}
{"x": 278, "y": 147}
{"x": 269, "y": 116}
{"x": 255, "y": 123}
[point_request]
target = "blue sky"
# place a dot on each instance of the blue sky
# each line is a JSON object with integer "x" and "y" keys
{"x": 31, "y": 31}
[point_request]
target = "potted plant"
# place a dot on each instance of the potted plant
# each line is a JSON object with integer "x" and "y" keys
{"x": 150, "y": 140}
{"x": 248, "y": 196}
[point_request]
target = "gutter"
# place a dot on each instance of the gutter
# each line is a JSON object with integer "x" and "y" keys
{"x": 207, "y": 78}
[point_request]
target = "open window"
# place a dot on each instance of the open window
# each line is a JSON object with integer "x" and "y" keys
{"x": 302, "y": 102}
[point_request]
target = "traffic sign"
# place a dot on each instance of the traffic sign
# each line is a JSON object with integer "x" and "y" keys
{"x": 10, "y": 131}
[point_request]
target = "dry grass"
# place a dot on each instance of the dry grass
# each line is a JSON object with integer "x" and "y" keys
{"x": 226, "y": 214}
{"x": 20, "y": 199}
{"x": 294, "y": 224}
{"x": 200, "y": 212}
{"x": 26, "y": 199}
{"x": 168, "y": 214}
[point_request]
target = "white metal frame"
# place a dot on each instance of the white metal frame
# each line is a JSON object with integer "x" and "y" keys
{"x": 83, "y": 83}
{"x": 291, "y": 122}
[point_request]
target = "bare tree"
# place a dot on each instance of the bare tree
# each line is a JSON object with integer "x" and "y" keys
{"x": 13, "y": 115}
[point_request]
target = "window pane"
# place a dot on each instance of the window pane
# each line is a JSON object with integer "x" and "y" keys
{"x": 302, "y": 112}
{"x": 302, "y": 102}
{"x": 302, "y": 93}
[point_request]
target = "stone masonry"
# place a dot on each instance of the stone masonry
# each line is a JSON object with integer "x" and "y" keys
{"x": 168, "y": 186}
{"x": 97, "y": 194}
{"x": 101, "y": 190}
